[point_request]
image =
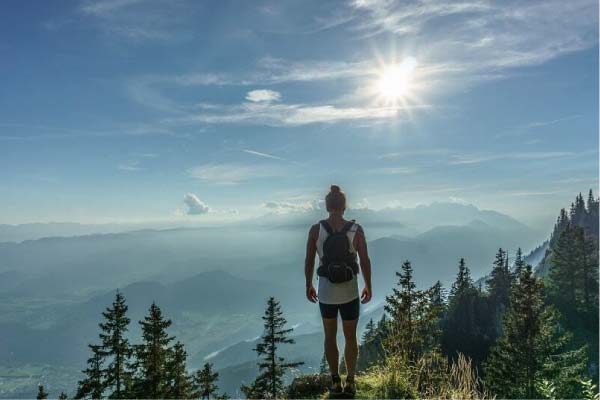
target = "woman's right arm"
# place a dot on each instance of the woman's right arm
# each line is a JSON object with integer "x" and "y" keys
{"x": 309, "y": 263}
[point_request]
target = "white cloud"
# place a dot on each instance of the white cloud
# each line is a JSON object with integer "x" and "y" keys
{"x": 263, "y": 95}
{"x": 195, "y": 205}
{"x": 284, "y": 207}
{"x": 232, "y": 173}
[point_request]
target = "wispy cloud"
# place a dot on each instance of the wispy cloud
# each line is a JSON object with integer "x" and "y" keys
{"x": 478, "y": 35}
{"x": 233, "y": 173}
{"x": 265, "y": 155}
{"x": 130, "y": 166}
{"x": 413, "y": 153}
{"x": 477, "y": 159}
{"x": 394, "y": 170}
{"x": 288, "y": 114}
{"x": 139, "y": 20}
{"x": 538, "y": 124}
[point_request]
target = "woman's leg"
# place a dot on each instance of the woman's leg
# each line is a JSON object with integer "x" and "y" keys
{"x": 331, "y": 349}
{"x": 351, "y": 348}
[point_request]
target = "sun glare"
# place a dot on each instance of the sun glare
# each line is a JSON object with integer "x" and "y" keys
{"x": 395, "y": 80}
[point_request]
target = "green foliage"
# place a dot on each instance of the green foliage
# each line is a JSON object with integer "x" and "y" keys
{"x": 532, "y": 346}
{"x": 468, "y": 324}
{"x": 589, "y": 390}
{"x": 323, "y": 366}
{"x": 371, "y": 349}
{"x": 116, "y": 347}
{"x": 430, "y": 376}
{"x": 205, "y": 382}
{"x": 414, "y": 316}
{"x": 546, "y": 389}
{"x": 151, "y": 378}
{"x": 92, "y": 386}
{"x": 269, "y": 382}
{"x": 498, "y": 287}
{"x": 180, "y": 383}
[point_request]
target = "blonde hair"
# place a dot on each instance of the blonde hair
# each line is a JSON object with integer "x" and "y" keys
{"x": 335, "y": 199}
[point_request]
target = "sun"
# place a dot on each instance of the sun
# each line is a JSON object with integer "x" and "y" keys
{"x": 395, "y": 81}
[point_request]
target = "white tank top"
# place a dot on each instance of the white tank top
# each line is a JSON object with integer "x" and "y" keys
{"x": 336, "y": 293}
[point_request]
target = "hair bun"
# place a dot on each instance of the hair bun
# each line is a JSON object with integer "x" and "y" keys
{"x": 335, "y": 189}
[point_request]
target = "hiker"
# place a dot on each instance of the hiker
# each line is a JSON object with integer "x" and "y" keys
{"x": 337, "y": 242}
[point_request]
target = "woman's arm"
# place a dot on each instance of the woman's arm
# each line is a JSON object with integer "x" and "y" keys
{"x": 360, "y": 244}
{"x": 309, "y": 262}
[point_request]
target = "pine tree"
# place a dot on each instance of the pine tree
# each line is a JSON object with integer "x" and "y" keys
{"x": 369, "y": 332}
{"x": 467, "y": 323}
{"x": 92, "y": 386}
{"x": 152, "y": 356}
{"x": 180, "y": 383}
{"x": 41, "y": 394}
{"x": 63, "y": 396}
{"x": 205, "y": 382}
{"x": 519, "y": 262}
{"x": 530, "y": 348}
{"x": 116, "y": 346}
{"x": 565, "y": 269}
{"x": 498, "y": 287}
{"x": 342, "y": 367}
{"x": 371, "y": 349}
{"x": 415, "y": 316}
{"x": 269, "y": 383}
{"x": 324, "y": 366}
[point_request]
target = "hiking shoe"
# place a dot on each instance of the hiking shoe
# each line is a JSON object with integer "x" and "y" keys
{"x": 350, "y": 387}
{"x": 336, "y": 385}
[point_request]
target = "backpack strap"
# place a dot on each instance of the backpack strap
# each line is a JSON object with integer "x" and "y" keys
{"x": 326, "y": 226}
{"x": 348, "y": 226}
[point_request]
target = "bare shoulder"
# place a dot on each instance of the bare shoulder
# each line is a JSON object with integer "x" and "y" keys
{"x": 314, "y": 231}
{"x": 359, "y": 230}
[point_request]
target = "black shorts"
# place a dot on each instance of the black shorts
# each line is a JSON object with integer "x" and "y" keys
{"x": 349, "y": 311}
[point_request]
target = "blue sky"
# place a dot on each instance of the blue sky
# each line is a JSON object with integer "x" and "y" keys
{"x": 130, "y": 110}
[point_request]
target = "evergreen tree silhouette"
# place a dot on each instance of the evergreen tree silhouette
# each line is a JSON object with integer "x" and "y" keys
{"x": 205, "y": 382}
{"x": 180, "y": 382}
{"x": 519, "y": 263}
{"x": 467, "y": 321}
{"x": 115, "y": 346}
{"x": 498, "y": 287}
{"x": 530, "y": 348}
{"x": 63, "y": 396}
{"x": 413, "y": 318}
{"x": 92, "y": 386}
{"x": 152, "y": 356}
{"x": 41, "y": 394}
{"x": 323, "y": 367}
{"x": 269, "y": 383}
{"x": 342, "y": 367}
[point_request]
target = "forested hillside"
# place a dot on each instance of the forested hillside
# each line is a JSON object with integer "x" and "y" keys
{"x": 522, "y": 334}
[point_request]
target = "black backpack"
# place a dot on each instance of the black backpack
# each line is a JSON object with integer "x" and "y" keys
{"x": 338, "y": 263}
